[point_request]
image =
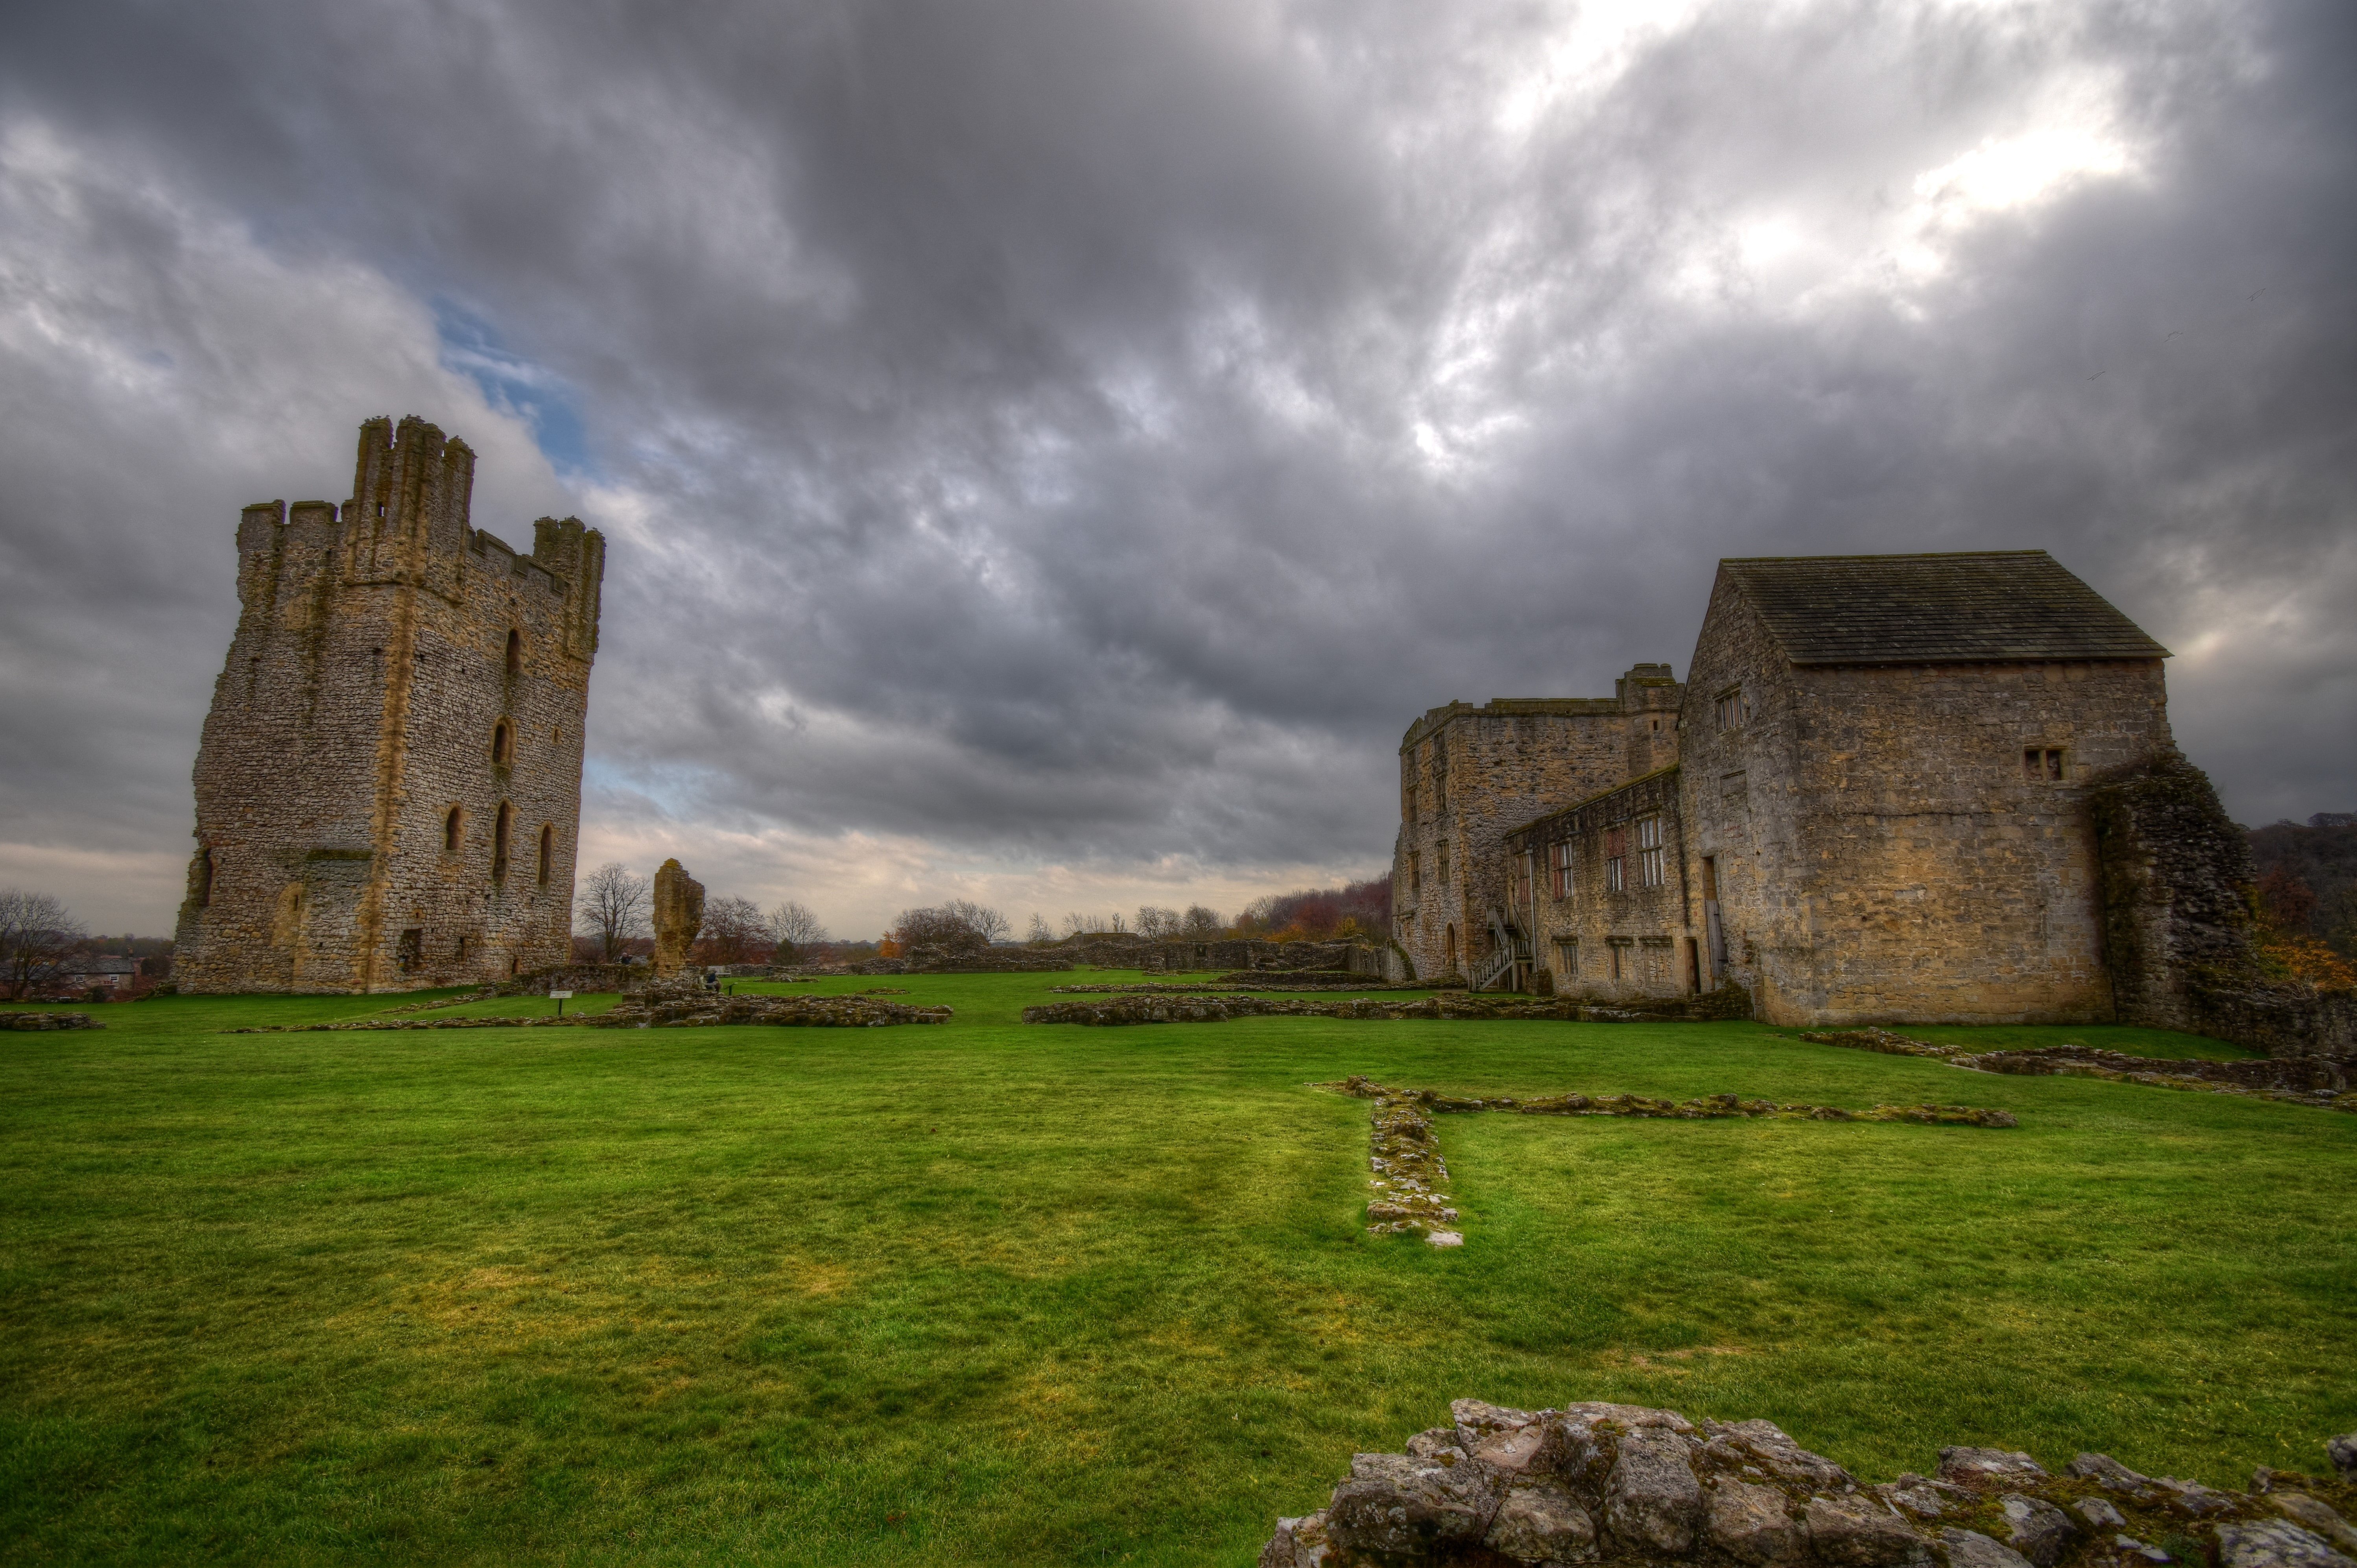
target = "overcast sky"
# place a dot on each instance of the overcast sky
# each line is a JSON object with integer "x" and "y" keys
{"x": 1050, "y": 449}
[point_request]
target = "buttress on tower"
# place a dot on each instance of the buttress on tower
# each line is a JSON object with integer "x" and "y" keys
{"x": 388, "y": 787}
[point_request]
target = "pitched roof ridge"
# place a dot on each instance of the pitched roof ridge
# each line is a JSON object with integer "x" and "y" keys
{"x": 1892, "y": 555}
{"x": 1964, "y": 607}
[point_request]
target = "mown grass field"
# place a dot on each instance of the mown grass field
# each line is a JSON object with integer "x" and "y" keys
{"x": 992, "y": 1293}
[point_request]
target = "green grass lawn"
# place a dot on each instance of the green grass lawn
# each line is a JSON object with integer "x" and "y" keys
{"x": 992, "y": 1293}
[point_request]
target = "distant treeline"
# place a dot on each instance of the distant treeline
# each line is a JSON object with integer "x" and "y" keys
{"x": 2308, "y": 898}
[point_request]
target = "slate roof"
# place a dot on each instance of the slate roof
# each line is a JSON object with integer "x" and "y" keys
{"x": 1986, "y": 607}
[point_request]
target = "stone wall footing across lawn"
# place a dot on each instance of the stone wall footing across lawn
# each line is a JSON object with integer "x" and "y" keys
{"x": 1156, "y": 1009}
{"x": 2329, "y": 1081}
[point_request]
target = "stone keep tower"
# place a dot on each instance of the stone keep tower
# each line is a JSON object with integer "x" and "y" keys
{"x": 388, "y": 787}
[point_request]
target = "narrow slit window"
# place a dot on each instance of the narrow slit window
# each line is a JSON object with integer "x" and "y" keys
{"x": 502, "y": 744}
{"x": 547, "y": 849}
{"x": 515, "y": 653}
{"x": 499, "y": 841}
{"x": 204, "y": 889}
{"x": 453, "y": 827}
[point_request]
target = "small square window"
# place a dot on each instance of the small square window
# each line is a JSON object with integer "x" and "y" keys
{"x": 1732, "y": 709}
{"x": 2043, "y": 764}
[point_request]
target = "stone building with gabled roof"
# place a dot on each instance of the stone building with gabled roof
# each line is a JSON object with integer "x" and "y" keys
{"x": 1468, "y": 773}
{"x": 1871, "y": 805}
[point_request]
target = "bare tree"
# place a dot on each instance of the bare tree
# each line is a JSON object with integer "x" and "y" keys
{"x": 1154, "y": 922}
{"x": 980, "y": 918}
{"x": 790, "y": 927}
{"x": 1038, "y": 931}
{"x": 1200, "y": 923}
{"x": 935, "y": 927}
{"x": 614, "y": 905}
{"x": 733, "y": 930}
{"x": 37, "y": 932}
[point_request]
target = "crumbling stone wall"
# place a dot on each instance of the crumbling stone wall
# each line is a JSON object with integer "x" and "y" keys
{"x": 1600, "y": 1483}
{"x": 388, "y": 788}
{"x": 678, "y": 912}
{"x": 2177, "y": 923}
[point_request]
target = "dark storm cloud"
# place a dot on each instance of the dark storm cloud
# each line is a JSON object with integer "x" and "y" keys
{"x": 1090, "y": 433}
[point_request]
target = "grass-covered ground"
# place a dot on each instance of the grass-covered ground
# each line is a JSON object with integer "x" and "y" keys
{"x": 992, "y": 1293}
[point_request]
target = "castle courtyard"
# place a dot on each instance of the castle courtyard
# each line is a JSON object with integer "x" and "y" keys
{"x": 1003, "y": 1292}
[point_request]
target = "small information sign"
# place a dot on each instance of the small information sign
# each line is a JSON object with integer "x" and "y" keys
{"x": 560, "y": 998}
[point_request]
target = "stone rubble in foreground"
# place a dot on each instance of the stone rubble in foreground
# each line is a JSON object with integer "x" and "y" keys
{"x": 1615, "y": 1484}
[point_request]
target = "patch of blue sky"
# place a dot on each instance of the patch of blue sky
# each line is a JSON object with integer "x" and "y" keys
{"x": 517, "y": 386}
{"x": 668, "y": 792}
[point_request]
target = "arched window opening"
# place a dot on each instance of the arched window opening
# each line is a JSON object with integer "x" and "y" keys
{"x": 502, "y": 744}
{"x": 547, "y": 849}
{"x": 453, "y": 826}
{"x": 204, "y": 878}
{"x": 500, "y": 843}
{"x": 515, "y": 652}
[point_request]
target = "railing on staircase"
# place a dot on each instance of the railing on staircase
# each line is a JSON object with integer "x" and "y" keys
{"x": 1507, "y": 948}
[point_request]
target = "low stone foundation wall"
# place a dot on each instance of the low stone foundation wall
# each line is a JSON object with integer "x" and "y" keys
{"x": 1597, "y": 1483}
{"x": 2283, "y": 1019}
{"x": 578, "y": 978}
{"x": 1407, "y": 1178}
{"x": 672, "y": 1005}
{"x": 1255, "y": 954}
{"x": 703, "y": 1010}
{"x": 1166, "y": 1009}
{"x": 2329, "y": 1081}
{"x": 49, "y": 1021}
{"x": 970, "y": 960}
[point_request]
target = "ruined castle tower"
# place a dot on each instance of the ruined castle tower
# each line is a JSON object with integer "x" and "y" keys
{"x": 388, "y": 787}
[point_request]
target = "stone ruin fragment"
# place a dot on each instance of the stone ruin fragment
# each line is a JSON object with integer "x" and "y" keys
{"x": 678, "y": 916}
{"x": 1610, "y": 1484}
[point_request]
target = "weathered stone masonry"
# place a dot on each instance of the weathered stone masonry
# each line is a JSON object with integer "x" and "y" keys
{"x": 1930, "y": 788}
{"x": 388, "y": 787}
{"x": 1470, "y": 774}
